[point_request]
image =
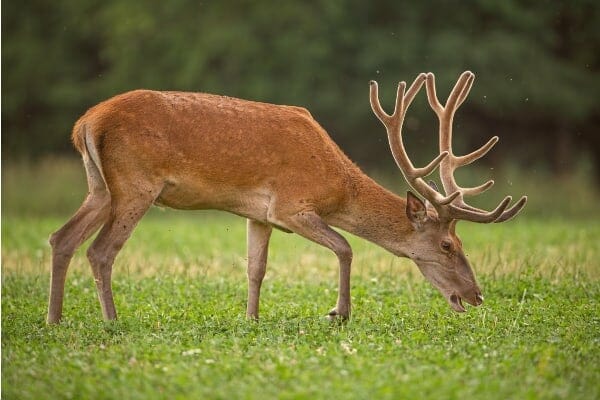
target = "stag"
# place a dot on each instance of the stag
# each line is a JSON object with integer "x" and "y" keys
{"x": 277, "y": 167}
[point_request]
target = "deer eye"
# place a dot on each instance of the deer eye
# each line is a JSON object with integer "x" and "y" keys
{"x": 446, "y": 245}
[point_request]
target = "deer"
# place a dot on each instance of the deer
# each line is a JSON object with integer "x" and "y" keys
{"x": 277, "y": 167}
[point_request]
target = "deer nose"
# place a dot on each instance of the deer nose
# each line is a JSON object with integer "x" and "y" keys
{"x": 479, "y": 298}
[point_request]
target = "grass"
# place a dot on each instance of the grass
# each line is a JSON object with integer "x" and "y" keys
{"x": 180, "y": 292}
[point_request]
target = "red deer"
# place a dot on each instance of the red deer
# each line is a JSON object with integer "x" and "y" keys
{"x": 277, "y": 167}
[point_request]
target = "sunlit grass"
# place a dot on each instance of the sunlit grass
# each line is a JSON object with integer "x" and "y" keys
{"x": 209, "y": 244}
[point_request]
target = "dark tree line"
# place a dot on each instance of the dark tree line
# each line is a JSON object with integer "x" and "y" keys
{"x": 537, "y": 67}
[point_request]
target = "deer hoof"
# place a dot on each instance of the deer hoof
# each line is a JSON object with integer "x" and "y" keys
{"x": 335, "y": 316}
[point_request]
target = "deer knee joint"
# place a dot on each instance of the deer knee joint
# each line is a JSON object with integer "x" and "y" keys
{"x": 96, "y": 257}
{"x": 344, "y": 254}
{"x": 52, "y": 239}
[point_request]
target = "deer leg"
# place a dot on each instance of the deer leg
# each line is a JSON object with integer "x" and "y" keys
{"x": 124, "y": 216}
{"x": 258, "y": 248}
{"x": 90, "y": 216}
{"x": 311, "y": 226}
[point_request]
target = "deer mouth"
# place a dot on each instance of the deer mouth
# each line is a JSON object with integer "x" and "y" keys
{"x": 455, "y": 302}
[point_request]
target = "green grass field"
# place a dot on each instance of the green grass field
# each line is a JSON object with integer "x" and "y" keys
{"x": 180, "y": 291}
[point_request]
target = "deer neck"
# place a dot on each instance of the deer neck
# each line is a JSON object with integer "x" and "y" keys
{"x": 377, "y": 215}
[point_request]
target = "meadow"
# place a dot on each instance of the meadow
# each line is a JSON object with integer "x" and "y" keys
{"x": 180, "y": 291}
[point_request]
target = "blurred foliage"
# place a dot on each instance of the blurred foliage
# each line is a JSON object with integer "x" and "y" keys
{"x": 537, "y": 65}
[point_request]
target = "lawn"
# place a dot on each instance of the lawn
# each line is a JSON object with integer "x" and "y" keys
{"x": 180, "y": 291}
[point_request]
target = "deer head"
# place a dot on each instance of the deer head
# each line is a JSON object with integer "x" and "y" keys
{"x": 434, "y": 245}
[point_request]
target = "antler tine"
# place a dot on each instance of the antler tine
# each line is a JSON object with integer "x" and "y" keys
{"x": 432, "y": 96}
{"x": 473, "y": 191}
{"x": 414, "y": 89}
{"x": 474, "y": 215}
{"x": 477, "y": 154}
{"x": 459, "y": 92}
{"x": 375, "y": 105}
{"x": 399, "y": 107}
{"x": 468, "y": 159}
{"x": 429, "y": 168}
{"x": 458, "y": 209}
{"x": 467, "y": 88}
{"x": 513, "y": 211}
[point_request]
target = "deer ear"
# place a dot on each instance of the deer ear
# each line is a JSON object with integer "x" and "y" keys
{"x": 415, "y": 210}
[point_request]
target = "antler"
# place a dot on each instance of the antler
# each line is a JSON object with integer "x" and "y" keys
{"x": 393, "y": 124}
{"x": 458, "y": 209}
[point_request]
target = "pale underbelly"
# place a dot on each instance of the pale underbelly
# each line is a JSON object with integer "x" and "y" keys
{"x": 253, "y": 204}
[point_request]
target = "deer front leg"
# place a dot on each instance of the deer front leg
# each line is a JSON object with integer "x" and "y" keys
{"x": 311, "y": 226}
{"x": 258, "y": 247}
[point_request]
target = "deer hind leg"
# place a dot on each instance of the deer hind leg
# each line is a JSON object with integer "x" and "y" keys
{"x": 258, "y": 246}
{"x": 125, "y": 213}
{"x": 311, "y": 226}
{"x": 90, "y": 216}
